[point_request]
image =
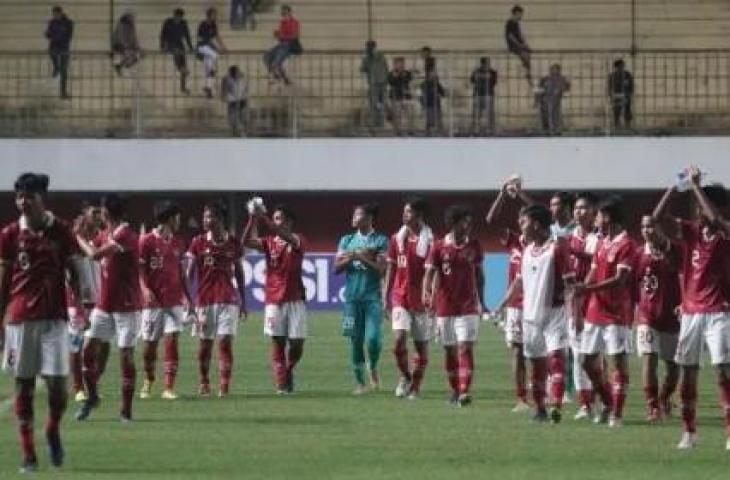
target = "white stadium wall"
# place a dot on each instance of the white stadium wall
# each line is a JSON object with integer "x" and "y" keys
{"x": 632, "y": 163}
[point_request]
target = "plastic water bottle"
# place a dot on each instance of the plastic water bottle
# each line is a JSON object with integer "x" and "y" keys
{"x": 683, "y": 179}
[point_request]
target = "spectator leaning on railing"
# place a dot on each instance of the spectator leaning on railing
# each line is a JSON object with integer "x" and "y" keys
{"x": 288, "y": 44}
{"x": 125, "y": 43}
{"x": 174, "y": 36}
{"x": 399, "y": 80}
{"x": 620, "y": 92}
{"x": 516, "y": 42}
{"x": 234, "y": 92}
{"x": 549, "y": 97}
{"x": 59, "y": 33}
{"x": 483, "y": 80}
{"x": 432, "y": 91}
{"x": 209, "y": 44}
{"x": 375, "y": 68}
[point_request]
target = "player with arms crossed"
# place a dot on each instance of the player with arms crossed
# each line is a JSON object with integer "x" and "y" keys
{"x": 407, "y": 253}
{"x": 216, "y": 261}
{"x": 361, "y": 256}
{"x": 658, "y": 264}
{"x": 285, "y": 315}
{"x": 167, "y": 301}
{"x": 705, "y": 318}
{"x": 452, "y": 287}
{"x": 610, "y": 311}
{"x": 37, "y": 253}
{"x": 117, "y": 311}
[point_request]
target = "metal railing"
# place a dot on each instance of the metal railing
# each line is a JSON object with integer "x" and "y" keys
{"x": 685, "y": 92}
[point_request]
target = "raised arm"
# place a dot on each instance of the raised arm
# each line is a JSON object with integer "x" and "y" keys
{"x": 660, "y": 210}
{"x": 708, "y": 209}
{"x": 241, "y": 284}
{"x": 251, "y": 237}
{"x": 496, "y": 207}
{"x": 106, "y": 250}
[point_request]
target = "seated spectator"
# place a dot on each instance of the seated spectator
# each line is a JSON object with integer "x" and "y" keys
{"x": 432, "y": 91}
{"x": 209, "y": 44}
{"x": 399, "y": 80}
{"x": 175, "y": 35}
{"x": 620, "y": 92}
{"x": 234, "y": 92}
{"x": 516, "y": 42}
{"x": 375, "y": 68}
{"x": 125, "y": 42}
{"x": 242, "y": 12}
{"x": 288, "y": 44}
{"x": 483, "y": 80}
{"x": 549, "y": 97}
{"x": 59, "y": 33}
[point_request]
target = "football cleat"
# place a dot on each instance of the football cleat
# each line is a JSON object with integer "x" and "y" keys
{"x": 86, "y": 408}
{"x": 521, "y": 406}
{"x": 80, "y": 396}
{"x": 603, "y": 416}
{"x": 615, "y": 422}
{"x": 464, "y": 400}
{"x": 582, "y": 413}
{"x": 204, "y": 390}
{"x": 29, "y": 466}
{"x": 540, "y": 416}
{"x": 688, "y": 441}
{"x": 404, "y": 386}
{"x": 146, "y": 390}
{"x": 169, "y": 394}
{"x": 555, "y": 416}
{"x": 360, "y": 390}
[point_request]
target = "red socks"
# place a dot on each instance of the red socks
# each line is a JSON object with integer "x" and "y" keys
{"x": 400, "y": 351}
{"x": 556, "y": 368}
{"x": 225, "y": 364}
{"x": 585, "y": 398}
{"x": 619, "y": 387}
{"x": 725, "y": 396}
{"x": 77, "y": 372}
{"x": 149, "y": 356}
{"x": 688, "y": 394}
{"x": 90, "y": 372}
{"x": 452, "y": 369}
{"x": 420, "y": 361}
{"x": 24, "y": 413}
{"x": 651, "y": 393}
{"x": 171, "y": 361}
{"x": 278, "y": 363}
{"x": 129, "y": 375}
{"x": 466, "y": 368}
{"x": 205, "y": 350}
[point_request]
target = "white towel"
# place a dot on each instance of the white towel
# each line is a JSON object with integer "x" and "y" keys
{"x": 425, "y": 238}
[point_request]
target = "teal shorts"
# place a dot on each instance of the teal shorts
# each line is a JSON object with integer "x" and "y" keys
{"x": 361, "y": 316}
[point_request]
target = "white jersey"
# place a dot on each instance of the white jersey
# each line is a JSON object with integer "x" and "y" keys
{"x": 89, "y": 279}
{"x": 542, "y": 271}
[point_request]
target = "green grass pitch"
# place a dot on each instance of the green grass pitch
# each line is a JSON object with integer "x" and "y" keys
{"x": 323, "y": 432}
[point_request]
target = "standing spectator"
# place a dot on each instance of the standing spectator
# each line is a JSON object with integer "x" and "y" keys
{"x": 209, "y": 44}
{"x": 234, "y": 91}
{"x": 125, "y": 42}
{"x": 59, "y": 34}
{"x": 242, "y": 12}
{"x": 620, "y": 91}
{"x": 483, "y": 80}
{"x": 287, "y": 36}
{"x": 375, "y": 68}
{"x": 400, "y": 80}
{"x": 516, "y": 42}
{"x": 174, "y": 36}
{"x": 432, "y": 91}
{"x": 549, "y": 97}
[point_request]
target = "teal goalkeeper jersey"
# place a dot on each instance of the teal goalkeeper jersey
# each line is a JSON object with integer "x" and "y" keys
{"x": 362, "y": 283}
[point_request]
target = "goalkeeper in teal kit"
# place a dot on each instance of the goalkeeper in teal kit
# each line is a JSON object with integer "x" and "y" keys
{"x": 361, "y": 256}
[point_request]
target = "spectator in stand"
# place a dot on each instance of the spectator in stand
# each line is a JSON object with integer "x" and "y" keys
{"x": 288, "y": 44}
{"x": 175, "y": 35}
{"x": 242, "y": 12}
{"x": 400, "y": 80}
{"x": 620, "y": 92}
{"x": 209, "y": 44}
{"x": 549, "y": 97}
{"x": 483, "y": 80}
{"x": 516, "y": 42}
{"x": 125, "y": 42}
{"x": 375, "y": 68}
{"x": 432, "y": 92}
{"x": 59, "y": 33}
{"x": 234, "y": 91}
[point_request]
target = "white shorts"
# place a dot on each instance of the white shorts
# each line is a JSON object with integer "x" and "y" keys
{"x": 650, "y": 340}
{"x": 159, "y": 321}
{"x": 104, "y": 325}
{"x": 574, "y": 337}
{"x": 420, "y": 324}
{"x": 698, "y": 330}
{"x": 216, "y": 320}
{"x": 38, "y": 347}
{"x": 606, "y": 339}
{"x": 453, "y": 330}
{"x": 513, "y": 326}
{"x": 546, "y": 335}
{"x": 75, "y": 330}
{"x": 286, "y": 320}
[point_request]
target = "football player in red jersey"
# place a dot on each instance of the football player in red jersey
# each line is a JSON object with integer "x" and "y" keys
{"x": 705, "y": 311}
{"x": 220, "y": 302}
{"x": 285, "y": 314}
{"x": 37, "y": 255}
{"x": 453, "y": 288}
{"x": 117, "y": 311}
{"x": 407, "y": 252}
{"x": 167, "y": 301}
{"x": 658, "y": 262}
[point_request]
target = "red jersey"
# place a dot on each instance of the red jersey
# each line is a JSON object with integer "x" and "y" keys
{"x": 612, "y": 306}
{"x": 161, "y": 259}
{"x": 215, "y": 264}
{"x": 288, "y": 29}
{"x": 515, "y": 246}
{"x": 120, "y": 291}
{"x": 409, "y": 271}
{"x": 657, "y": 281}
{"x": 36, "y": 264}
{"x": 705, "y": 276}
{"x": 456, "y": 267}
{"x": 283, "y": 270}
{"x": 582, "y": 248}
